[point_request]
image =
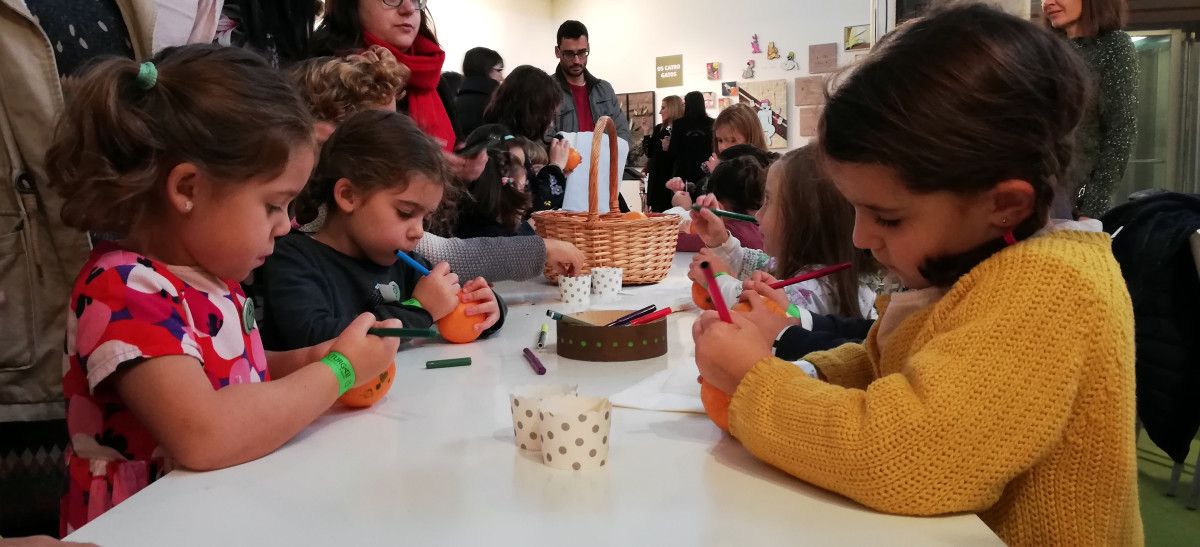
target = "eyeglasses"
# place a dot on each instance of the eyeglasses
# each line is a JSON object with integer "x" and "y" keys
{"x": 418, "y": 5}
{"x": 568, "y": 54}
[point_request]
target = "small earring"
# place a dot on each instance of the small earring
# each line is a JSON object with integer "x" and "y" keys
{"x": 1004, "y": 221}
{"x": 187, "y": 206}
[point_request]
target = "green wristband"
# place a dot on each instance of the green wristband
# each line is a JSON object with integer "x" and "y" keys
{"x": 793, "y": 311}
{"x": 412, "y": 303}
{"x": 341, "y": 369}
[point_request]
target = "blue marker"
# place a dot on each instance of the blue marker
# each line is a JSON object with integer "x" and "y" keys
{"x": 412, "y": 262}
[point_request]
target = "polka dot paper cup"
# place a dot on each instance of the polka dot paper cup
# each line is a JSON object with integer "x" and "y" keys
{"x": 606, "y": 283}
{"x": 576, "y": 292}
{"x": 524, "y": 402}
{"x": 574, "y": 432}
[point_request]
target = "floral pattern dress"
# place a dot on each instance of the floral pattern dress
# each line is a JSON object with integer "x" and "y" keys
{"x": 125, "y": 309}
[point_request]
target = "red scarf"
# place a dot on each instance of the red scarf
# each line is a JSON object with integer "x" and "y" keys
{"x": 425, "y": 106}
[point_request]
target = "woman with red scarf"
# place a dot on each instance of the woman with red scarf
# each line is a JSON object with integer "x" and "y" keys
{"x": 404, "y": 28}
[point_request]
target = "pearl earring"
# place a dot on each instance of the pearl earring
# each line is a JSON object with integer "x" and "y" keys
{"x": 187, "y": 206}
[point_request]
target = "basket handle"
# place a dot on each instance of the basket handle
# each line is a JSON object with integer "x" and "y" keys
{"x": 603, "y": 125}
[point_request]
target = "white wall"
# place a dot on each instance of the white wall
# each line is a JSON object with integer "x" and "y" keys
{"x": 627, "y": 35}
{"x": 522, "y": 31}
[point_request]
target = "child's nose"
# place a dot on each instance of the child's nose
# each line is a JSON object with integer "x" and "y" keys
{"x": 862, "y": 236}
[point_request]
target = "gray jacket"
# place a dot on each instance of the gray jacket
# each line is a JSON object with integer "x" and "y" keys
{"x": 603, "y": 100}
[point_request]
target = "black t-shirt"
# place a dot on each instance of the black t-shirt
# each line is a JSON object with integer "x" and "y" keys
{"x": 311, "y": 292}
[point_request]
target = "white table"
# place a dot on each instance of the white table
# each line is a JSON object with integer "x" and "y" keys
{"x": 435, "y": 464}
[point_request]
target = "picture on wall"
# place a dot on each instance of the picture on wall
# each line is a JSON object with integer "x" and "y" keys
{"x": 723, "y": 103}
{"x": 710, "y": 100}
{"x": 639, "y": 110}
{"x": 769, "y": 99}
{"x": 714, "y": 71}
{"x": 857, "y": 37}
{"x": 810, "y": 90}
{"x": 729, "y": 89}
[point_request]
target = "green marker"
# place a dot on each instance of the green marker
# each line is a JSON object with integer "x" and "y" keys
{"x": 404, "y": 332}
{"x": 727, "y": 214}
{"x": 447, "y": 363}
{"x": 541, "y": 339}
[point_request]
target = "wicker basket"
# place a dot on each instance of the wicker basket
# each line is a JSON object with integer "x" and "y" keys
{"x": 643, "y": 248}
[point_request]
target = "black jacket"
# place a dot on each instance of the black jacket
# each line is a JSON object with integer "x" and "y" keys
{"x": 473, "y": 98}
{"x": 691, "y": 144}
{"x": 1153, "y": 248}
{"x": 661, "y": 167}
{"x": 828, "y": 332}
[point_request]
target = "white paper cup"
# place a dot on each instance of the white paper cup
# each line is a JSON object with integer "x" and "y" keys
{"x": 575, "y": 292}
{"x": 574, "y": 432}
{"x": 524, "y": 402}
{"x": 606, "y": 282}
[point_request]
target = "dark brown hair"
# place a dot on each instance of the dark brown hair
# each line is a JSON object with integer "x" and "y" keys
{"x": 222, "y": 108}
{"x": 818, "y": 228}
{"x": 374, "y": 149}
{"x": 492, "y": 197}
{"x": 1097, "y": 17}
{"x": 526, "y": 103}
{"x": 341, "y": 31}
{"x": 738, "y": 183}
{"x": 959, "y": 101}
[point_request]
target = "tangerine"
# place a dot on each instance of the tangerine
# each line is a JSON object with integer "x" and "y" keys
{"x": 371, "y": 392}
{"x": 701, "y": 297}
{"x": 459, "y": 328}
{"x": 716, "y": 404}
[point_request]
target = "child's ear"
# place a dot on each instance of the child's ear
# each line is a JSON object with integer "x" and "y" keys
{"x": 346, "y": 195}
{"x": 1013, "y": 201}
{"x": 185, "y": 184}
{"x": 323, "y": 130}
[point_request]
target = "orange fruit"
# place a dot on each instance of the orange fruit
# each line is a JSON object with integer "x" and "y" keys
{"x": 716, "y": 404}
{"x": 634, "y": 215}
{"x": 700, "y": 297}
{"x": 371, "y": 392}
{"x": 771, "y": 305}
{"x": 459, "y": 328}
{"x": 573, "y": 160}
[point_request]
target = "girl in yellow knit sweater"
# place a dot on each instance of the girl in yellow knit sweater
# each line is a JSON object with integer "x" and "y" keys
{"x": 1001, "y": 381}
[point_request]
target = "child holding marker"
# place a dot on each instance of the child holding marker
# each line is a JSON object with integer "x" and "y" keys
{"x": 192, "y": 158}
{"x": 806, "y": 225}
{"x": 1001, "y": 382}
{"x": 378, "y": 177}
{"x": 335, "y": 87}
{"x": 737, "y": 186}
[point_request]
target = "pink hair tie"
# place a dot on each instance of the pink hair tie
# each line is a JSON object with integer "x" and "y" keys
{"x": 1009, "y": 238}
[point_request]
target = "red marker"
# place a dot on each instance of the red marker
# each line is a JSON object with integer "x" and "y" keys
{"x": 651, "y": 317}
{"x": 815, "y": 274}
{"x": 714, "y": 292}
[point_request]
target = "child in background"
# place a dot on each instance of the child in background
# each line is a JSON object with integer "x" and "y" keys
{"x": 334, "y": 87}
{"x": 1002, "y": 381}
{"x": 378, "y": 177}
{"x": 736, "y": 125}
{"x": 806, "y": 225}
{"x": 536, "y": 156}
{"x": 737, "y": 186}
{"x": 498, "y": 199}
{"x": 192, "y": 157}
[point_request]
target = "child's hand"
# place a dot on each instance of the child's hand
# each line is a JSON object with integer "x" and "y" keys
{"x": 477, "y": 290}
{"x": 712, "y": 163}
{"x": 769, "y": 321}
{"x": 564, "y": 258}
{"x": 369, "y": 355}
{"x": 725, "y": 352}
{"x": 681, "y": 199}
{"x": 466, "y": 169}
{"x": 560, "y": 152}
{"x": 760, "y": 282}
{"x": 707, "y": 225}
{"x": 706, "y": 255}
{"x": 438, "y": 291}
{"x": 676, "y": 185}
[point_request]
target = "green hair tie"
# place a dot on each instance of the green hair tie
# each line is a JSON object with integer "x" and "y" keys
{"x": 147, "y": 75}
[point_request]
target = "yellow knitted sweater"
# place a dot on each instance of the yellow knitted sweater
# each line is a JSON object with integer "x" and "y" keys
{"x": 1011, "y": 397}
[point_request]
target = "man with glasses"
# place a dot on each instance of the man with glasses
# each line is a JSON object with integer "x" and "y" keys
{"x": 585, "y": 97}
